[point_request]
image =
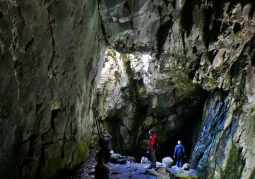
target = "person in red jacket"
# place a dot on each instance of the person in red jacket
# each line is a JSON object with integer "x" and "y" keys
{"x": 151, "y": 148}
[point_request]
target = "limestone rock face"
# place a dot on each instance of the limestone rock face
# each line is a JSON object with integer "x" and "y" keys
{"x": 224, "y": 125}
{"x": 190, "y": 46}
{"x": 49, "y": 53}
{"x": 137, "y": 94}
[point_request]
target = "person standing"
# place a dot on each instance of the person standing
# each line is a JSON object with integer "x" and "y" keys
{"x": 101, "y": 170}
{"x": 104, "y": 143}
{"x": 151, "y": 148}
{"x": 179, "y": 153}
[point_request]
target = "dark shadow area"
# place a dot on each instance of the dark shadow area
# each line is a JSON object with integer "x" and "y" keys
{"x": 162, "y": 34}
{"x": 214, "y": 32}
{"x": 113, "y": 129}
{"x": 54, "y": 114}
{"x": 187, "y": 20}
{"x": 212, "y": 54}
{"x": 253, "y": 61}
{"x": 237, "y": 28}
{"x": 252, "y": 12}
{"x": 187, "y": 134}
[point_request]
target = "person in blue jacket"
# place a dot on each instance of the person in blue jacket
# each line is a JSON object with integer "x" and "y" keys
{"x": 179, "y": 153}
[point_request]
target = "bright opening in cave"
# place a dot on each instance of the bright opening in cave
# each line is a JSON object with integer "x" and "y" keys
{"x": 133, "y": 97}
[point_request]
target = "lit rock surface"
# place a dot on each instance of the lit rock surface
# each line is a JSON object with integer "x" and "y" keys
{"x": 138, "y": 95}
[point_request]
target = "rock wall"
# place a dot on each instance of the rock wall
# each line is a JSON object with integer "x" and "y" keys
{"x": 135, "y": 95}
{"x": 204, "y": 42}
{"x": 49, "y": 53}
{"x": 51, "y": 59}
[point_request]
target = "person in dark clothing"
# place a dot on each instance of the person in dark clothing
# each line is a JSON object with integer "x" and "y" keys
{"x": 104, "y": 143}
{"x": 179, "y": 153}
{"x": 101, "y": 170}
{"x": 151, "y": 148}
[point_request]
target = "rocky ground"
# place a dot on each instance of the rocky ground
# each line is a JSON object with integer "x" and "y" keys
{"x": 117, "y": 171}
{"x": 128, "y": 170}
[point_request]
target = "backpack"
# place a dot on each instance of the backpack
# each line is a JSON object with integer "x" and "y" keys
{"x": 155, "y": 145}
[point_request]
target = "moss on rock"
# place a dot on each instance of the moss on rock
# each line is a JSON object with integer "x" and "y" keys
{"x": 80, "y": 153}
{"x": 51, "y": 167}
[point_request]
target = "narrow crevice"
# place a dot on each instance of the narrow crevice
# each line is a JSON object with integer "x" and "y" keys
{"x": 252, "y": 58}
{"x": 29, "y": 44}
{"x": 104, "y": 32}
{"x": 187, "y": 20}
{"x": 23, "y": 20}
{"x": 32, "y": 142}
{"x": 1, "y": 15}
{"x": 39, "y": 107}
{"x": 252, "y": 12}
{"x": 166, "y": 2}
{"x": 102, "y": 26}
{"x": 50, "y": 21}
{"x": 162, "y": 34}
{"x": 183, "y": 42}
{"x": 193, "y": 72}
{"x": 208, "y": 21}
{"x": 173, "y": 3}
{"x": 54, "y": 114}
{"x": 160, "y": 9}
{"x": 130, "y": 12}
{"x": 29, "y": 156}
{"x": 41, "y": 160}
{"x": 215, "y": 32}
{"x": 113, "y": 126}
{"x": 212, "y": 54}
{"x": 237, "y": 29}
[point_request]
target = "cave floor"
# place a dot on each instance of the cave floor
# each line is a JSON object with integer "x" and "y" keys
{"x": 117, "y": 171}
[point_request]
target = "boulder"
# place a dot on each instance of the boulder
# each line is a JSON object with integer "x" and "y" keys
{"x": 117, "y": 158}
{"x": 145, "y": 160}
{"x": 162, "y": 170}
{"x": 186, "y": 166}
{"x": 182, "y": 174}
{"x": 168, "y": 161}
{"x": 160, "y": 165}
{"x": 152, "y": 172}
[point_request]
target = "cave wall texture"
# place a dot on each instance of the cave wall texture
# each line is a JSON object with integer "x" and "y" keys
{"x": 50, "y": 53}
{"x": 190, "y": 44}
{"x": 200, "y": 58}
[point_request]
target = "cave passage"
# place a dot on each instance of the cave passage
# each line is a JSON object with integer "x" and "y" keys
{"x": 187, "y": 134}
{"x": 173, "y": 114}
